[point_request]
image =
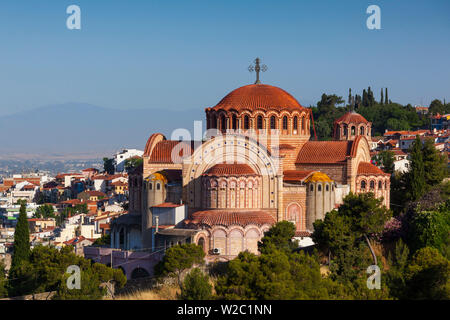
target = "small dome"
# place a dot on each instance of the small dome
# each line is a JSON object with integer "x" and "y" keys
{"x": 351, "y": 117}
{"x": 319, "y": 177}
{"x": 258, "y": 97}
{"x": 158, "y": 176}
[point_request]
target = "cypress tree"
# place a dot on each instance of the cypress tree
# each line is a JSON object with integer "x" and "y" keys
{"x": 416, "y": 173}
{"x": 365, "y": 100}
{"x": 21, "y": 239}
{"x": 386, "y": 101}
{"x": 382, "y": 98}
{"x": 370, "y": 97}
{"x": 350, "y": 96}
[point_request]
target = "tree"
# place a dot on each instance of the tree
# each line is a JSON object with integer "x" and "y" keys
{"x": 370, "y": 97}
{"x": 430, "y": 229}
{"x": 104, "y": 240}
{"x": 279, "y": 237}
{"x": 132, "y": 163}
{"x": 46, "y": 271}
{"x": 398, "y": 261}
{"x": 381, "y": 99}
{"x": 276, "y": 275}
{"x": 416, "y": 174}
{"x": 365, "y": 98}
{"x": 435, "y": 164}
{"x": 428, "y": 276}
{"x": 350, "y": 97}
{"x": 45, "y": 211}
{"x": 3, "y": 280}
{"x": 178, "y": 259}
{"x": 386, "y": 99}
{"x": 342, "y": 232}
{"x": 21, "y": 240}
{"x": 436, "y": 106}
{"x": 196, "y": 286}
{"x": 108, "y": 165}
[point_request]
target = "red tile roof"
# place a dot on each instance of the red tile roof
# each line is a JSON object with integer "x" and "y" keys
{"x": 228, "y": 217}
{"x": 303, "y": 234}
{"x": 94, "y": 193}
{"x": 412, "y": 133}
{"x": 258, "y": 97}
{"x": 351, "y": 117}
{"x": 167, "y": 205}
{"x": 368, "y": 169}
{"x": 230, "y": 169}
{"x": 325, "y": 152}
{"x": 295, "y": 175}
{"x": 162, "y": 152}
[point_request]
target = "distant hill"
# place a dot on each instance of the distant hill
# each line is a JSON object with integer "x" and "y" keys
{"x": 83, "y": 128}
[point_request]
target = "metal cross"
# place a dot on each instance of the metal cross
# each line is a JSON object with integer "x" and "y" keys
{"x": 257, "y": 68}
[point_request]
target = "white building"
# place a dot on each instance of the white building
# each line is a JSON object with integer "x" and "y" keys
{"x": 401, "y": 165}
{"x": 124, "y": 155}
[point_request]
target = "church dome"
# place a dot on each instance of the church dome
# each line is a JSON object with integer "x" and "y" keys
{"x": 258, "y": 97}
{"x": 351, "y": 117}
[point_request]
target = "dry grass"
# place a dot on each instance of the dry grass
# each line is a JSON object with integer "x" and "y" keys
{"x": 162, "y": 293}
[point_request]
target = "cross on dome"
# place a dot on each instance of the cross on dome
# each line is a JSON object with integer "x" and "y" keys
{"x": 257, "y": 68}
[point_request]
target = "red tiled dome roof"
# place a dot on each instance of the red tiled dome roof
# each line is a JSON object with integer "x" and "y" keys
{"x": 368, "y": 169}
{"x": 258, "y": 96}
{"x": 225, "y": 169}
{"x": 351, "y": 117}
{"x": 228, "y": 218}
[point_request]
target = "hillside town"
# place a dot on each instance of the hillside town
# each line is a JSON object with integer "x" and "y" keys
{"x": 69, "y": 209}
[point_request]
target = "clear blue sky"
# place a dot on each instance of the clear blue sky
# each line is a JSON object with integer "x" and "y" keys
{"x": 189, "y": 54}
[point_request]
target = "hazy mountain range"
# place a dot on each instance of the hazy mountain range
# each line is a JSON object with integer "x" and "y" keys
{"x": 79, "y": 130}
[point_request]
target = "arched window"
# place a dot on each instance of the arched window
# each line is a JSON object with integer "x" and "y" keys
{"x": 158, "y": 186}
{"x": 311, "y": 188}
{"x": 345, "y": 131}
{"x": 214, "y": 122}
{"x": 150, "y": 186}
{"x": 353, "y": 130}
{"x": 272, "y": 122}
{"x": 295, "y": 124}
{"x": 363, "y": 185}
{"x": 303, "y": 124}
{"x": 259, "y": 122}
{"x": 234, "y": 122}
{"x": 380, "y": 185}
{"x": 201, "y": 242}
{"x": 285, "y": 123}
{"x": 372, "y": 185}
{"x": 361, "y": 131}
{"x": 327, "y": 188}
{"x": 319, "y": 187}
{"x": 223, "y": 122}
{"x": 246, "y": 123}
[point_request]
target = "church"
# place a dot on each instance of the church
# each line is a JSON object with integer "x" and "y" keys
{"x": 256, "y": 165}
